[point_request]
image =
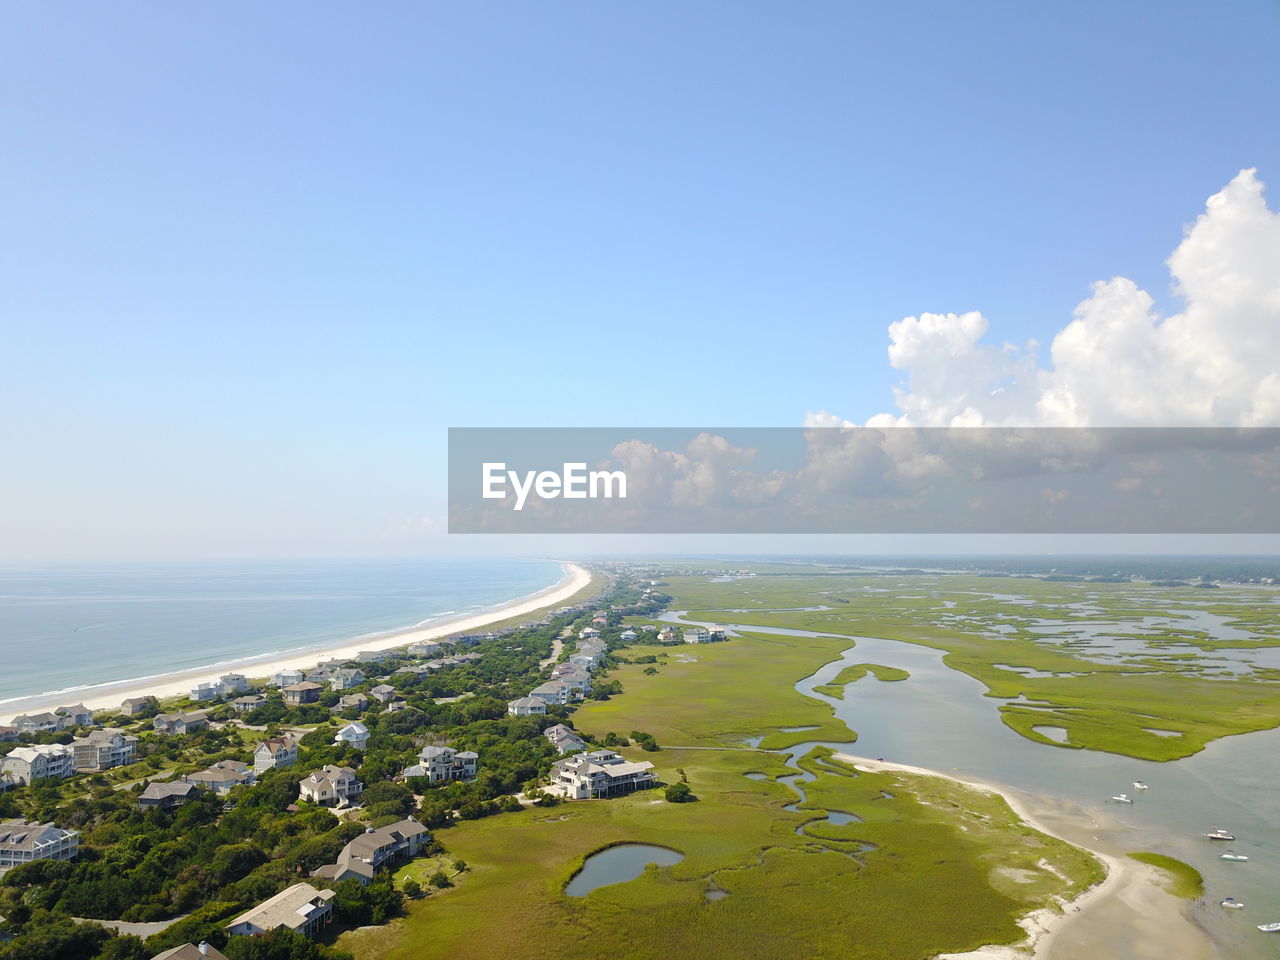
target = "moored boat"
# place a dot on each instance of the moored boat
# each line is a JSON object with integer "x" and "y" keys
{"x": 1139, "y": 785}
{"x": 1231, "y": 903}
{"x": 1269, "y": 927}
{"x": 1217, "y": 833}
{"x": 1121, "y": 798}
{"x": 1233, "y": 856}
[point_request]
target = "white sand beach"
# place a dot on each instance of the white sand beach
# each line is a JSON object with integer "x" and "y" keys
{"x": 108, "y": 695}
{"x": 1127, "y": 915}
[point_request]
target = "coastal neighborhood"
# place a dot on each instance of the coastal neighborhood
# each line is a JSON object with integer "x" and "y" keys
{"x": 326, "y": 738}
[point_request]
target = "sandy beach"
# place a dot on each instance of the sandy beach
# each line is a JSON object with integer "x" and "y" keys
{"x": 1127, "y": 915}
{"x": 109, "y": 695}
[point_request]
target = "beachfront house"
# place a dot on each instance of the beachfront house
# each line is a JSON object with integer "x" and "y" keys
{"x": 75, "y": 716}
{"x": 30, "y": 723}
{"x": 424, "y": 649}
{"x": 136, "y": 705}
{"x": 103, "y": 749}
{"x": 180, "y": 723}
{"x": 345, "y": 678}
{"x": 250, "y": 701}
{"x": 232, "y": 683}
{"x": 354, "y": 734}
{"x": 374, "y": 850}
{"x": 273, "y": 753}
{"x": 553, "y": 691}
{"x": 166, "y": 796}
{"x": 205, "y": 691}
{"x": 331, "y": 786}
{"x": 372, "y": 656}
{"x": 284, "y": 678}
{"x": 22, "y": 842}
{"x": 302, "y": 908}
{"x": 527, "y": 707}
{"x": 442, "y": 764}
{"x": 222, "y": 777}
{"x": 564, "y": 739}
{"x": 599, "y": 774}
{"x": 25, "y": 765}
{"x": 296, "y": 694}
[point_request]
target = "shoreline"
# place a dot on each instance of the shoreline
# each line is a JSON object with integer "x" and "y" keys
{"x": 1130, "y": 913}
{"x": 109, "y": 695}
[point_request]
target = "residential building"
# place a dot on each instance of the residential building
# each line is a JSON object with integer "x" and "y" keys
{"x": 232, "y": 683}
{"x": 204, "y": 951}
{"x": 296, "y": 694}
{"x": 75, "y": 716}
{"x": 553, "y": 691}
{"x": 26, "y": 764}
{"x": 273, "y": 753}
{"x": 22, "y": 842}
{"x": 352, "y": 701}
{"x": 383, "y": 692}
{"x": 331, "y": 786}
{"x": 302, "y": 908}
{"x": 372, "y": 656}
{"x": 354, "y": 734}
{"x": 375, "y": 849}
{"x": 205, "y": 691}
{"x": 424, "y": 649}
{"x": 345, "y": 678}
{"x": 180, "y": 723}
{"x": 136, "y": 705}
{"x": 441, "y": 764}
{"x": 600, "y": 773}
{"x": 38, "y": 723}
{"x": 286, "y": 678}
{"x": 250, "y": 701}
{"x": 696, "y": 635}
{"x": 527, "y": 707}
{"x": 564, "y": 739}
{"x": 8, "y": 734}
{"x": 166, "y": 796}
{"x": 222, "y": 777}
{"x": 668, "y": 635}
{"x": 103, "y": 749}
{"x": 586, "y": 633}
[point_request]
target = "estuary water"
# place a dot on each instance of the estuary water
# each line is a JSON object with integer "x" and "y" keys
{"x": 65, "y": 627}
{"x": 939, "y": 718}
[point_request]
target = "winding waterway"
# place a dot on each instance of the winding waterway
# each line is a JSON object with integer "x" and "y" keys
{"x": 940, "y": 719}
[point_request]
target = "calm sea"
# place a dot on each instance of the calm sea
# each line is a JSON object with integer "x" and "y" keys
{"x": 63, "y": 627}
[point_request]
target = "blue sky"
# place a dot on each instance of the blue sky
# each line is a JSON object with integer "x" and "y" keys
{"x": 255, "y": 261}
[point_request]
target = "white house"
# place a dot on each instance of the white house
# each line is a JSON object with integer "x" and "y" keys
{"x": 286, "y": 677}
{"x": 696, "y": 635}
{"x": 383, "y": 692}
{"x": 75, "y": 716}
{"x": 600, "y": 773}
{"x": 205, "y": 691}
{"x": 232, "y": 683}
{"x": 440, "y": 764}
{"x": 22, "y": 842}
{"x": 103, "y": 749}
{"x": 331, "y": 786}
{"x": 527, "y": 707}
{"x": 302, "y": 908}
{"x": 345, "y": 678}
{"x": 38, "y": 723}
{"x": 25, "y": 764}
{"x": 222, "y": 777}
{"x": 553, "y": 691}
{"x": 354, "y": 734}
{"x": 425, "y": 649}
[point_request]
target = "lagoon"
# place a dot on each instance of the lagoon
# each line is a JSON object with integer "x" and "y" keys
{"x": 618, "y": 864}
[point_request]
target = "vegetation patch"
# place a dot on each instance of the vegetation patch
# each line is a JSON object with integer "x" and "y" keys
{"x": 1181, "y": 879}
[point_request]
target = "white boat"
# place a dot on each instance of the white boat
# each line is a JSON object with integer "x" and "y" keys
{"x": 1139, "y": 785}
{"x": 1121, "y": 798}
{"x": 1217, "y": 833}
{"x": 1234, "y": 857}
{"x": 1231, "y": 903}
{"x": 1269, "y": 927}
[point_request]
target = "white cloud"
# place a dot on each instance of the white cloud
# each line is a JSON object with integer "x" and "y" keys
{"x": 1118, "y": 362}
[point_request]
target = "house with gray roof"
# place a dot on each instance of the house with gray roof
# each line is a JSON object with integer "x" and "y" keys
{"x": 180, "y": 723}
{"x": 100, "y": 750}
{"x": 301, "y": 908}
{"x": 599, "y": 774}
{"x": 565, "y": 739}
{"x": 273, "y": 753}
{"x": 331, "y": 786}
{"x": 22, "y": 842}
{"x": 223, "y": 777}
{"x": 23, "y": 765}
{"x": 187, "y": 951}
{"x": 374, "y": 850}
{"x": 166, "y": 796}
{"x": 345, "y": 678}
{"x": 442, "y": 764}
{"x": 527, "y": 707}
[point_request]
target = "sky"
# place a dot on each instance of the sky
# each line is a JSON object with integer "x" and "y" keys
{"x": 254, "y": 262}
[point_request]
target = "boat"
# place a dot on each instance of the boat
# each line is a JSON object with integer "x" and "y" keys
{"x": 1217, "y": 833}
{"x": 1139, "y": 785}
{"x": 1269, "y": 927}
{"x": 1231, "y": 903}
{"x": 1234, "y": 857}
{"x": 1121, "y": 798}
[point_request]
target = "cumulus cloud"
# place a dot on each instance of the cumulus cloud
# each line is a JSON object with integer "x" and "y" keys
{"x": 1118, "y": 362}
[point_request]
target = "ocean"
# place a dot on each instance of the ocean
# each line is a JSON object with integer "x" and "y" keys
{"x": 66, "y": 627}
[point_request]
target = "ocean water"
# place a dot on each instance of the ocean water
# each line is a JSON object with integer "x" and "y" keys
{"x": 66, "y": 627}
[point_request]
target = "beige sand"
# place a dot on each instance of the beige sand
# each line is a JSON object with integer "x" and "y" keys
{"x": 109, "y": 695}
{"x": 1127, "y": 915}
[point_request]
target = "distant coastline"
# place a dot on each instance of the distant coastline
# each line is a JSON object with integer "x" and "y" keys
{"x": 169, "y": 684}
